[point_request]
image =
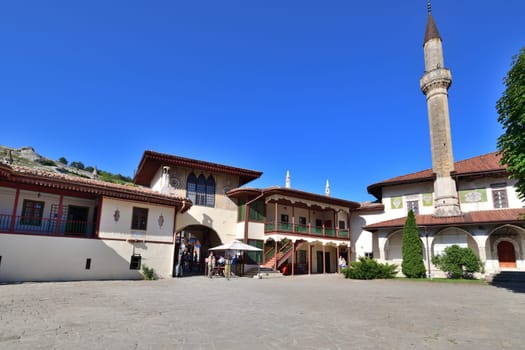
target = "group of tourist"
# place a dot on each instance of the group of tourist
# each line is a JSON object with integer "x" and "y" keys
{"x": 219, "y": 266}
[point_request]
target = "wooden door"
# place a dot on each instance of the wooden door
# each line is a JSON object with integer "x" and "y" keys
{"x": 506, "y": 254}
{"x": 77, "y": 218}
{"x": 319, "y": 262}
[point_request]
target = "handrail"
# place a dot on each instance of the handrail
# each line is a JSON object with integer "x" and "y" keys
{"x": 40, "y": 225}
{"x": 269, "y": 254}
{"x": 306, "y": 229}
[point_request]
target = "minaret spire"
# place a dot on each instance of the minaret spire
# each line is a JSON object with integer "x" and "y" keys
{"x": 434, "y": 84}
{"x": 429, "y": 7}
{"x": 327, "y": 189}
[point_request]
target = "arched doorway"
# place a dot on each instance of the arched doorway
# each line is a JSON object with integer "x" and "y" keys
{"x": 506, "y": 255}
{"x": 196, "y": 239}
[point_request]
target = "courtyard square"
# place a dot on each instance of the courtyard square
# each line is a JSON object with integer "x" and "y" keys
{"x": 301, "y": 312}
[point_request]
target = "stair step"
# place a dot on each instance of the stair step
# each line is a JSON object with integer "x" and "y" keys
{"x": 262, "y": 272}
{"x": 509, "y": 276}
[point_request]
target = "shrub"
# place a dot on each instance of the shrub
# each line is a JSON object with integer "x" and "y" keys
{"x": 412, "y": 265}
{"x": 368, "y": 269}
{"x": 78, "y": 165}
{"x": 148, "y": 273}
{"x": 47, "y": 162}
{"x": 458, "y": 262}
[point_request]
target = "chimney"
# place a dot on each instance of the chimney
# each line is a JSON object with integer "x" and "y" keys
{"x": 165, "y": 179}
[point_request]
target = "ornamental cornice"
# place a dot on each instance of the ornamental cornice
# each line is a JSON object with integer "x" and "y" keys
{"x": 434, "y": 79}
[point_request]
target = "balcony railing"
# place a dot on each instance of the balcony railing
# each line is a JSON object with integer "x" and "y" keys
{"x": 302, "y": 229}
{"x": 37, "y": 225}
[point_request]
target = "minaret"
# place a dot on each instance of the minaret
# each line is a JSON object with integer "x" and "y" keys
{"x": 288, "y": 180}
{"x": 434, "y": 84}
{"x": 327, "y": 189}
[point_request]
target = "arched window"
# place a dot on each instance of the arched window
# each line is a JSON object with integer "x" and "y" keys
{"x": 210, "y": 192}
{"x": 191, "y": 187}
{"x": 201, "y": 190}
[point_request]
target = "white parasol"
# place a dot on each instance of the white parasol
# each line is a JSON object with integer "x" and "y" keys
{"x": 236, "y": 245}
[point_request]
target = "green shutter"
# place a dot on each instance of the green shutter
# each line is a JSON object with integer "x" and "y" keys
{"x": 241, "y": 211}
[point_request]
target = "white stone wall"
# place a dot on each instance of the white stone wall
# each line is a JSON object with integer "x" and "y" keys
{"x": 7, "y": 197}
{"x": 45, "y": 258}
{"x": 121, "y": 229}
{"x": 222, "y": 221}
{"x": 478, "y": 194}
{"x": 395, "y": 199}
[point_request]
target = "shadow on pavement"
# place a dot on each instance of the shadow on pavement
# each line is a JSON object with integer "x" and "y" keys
{"x": 516, "y": 287}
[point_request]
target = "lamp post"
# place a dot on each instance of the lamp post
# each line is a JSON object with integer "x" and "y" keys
{"x": 429, "y": 275}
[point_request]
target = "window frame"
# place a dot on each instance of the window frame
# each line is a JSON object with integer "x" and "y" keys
{"x": 302, "y": 220}
{"x": 137, "y": 215}
{"x": 191, "y": 187}
{"x": 502, "y": 201}
{"x": 410, "y": 206}
{"x": 201, "y": 191}
{"x": 210, "y": 192}
{"x": 31, "y": 215}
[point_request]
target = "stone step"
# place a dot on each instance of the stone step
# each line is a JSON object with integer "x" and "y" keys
{"x": 509, "y": 276}
{"x": 262, "y": 272}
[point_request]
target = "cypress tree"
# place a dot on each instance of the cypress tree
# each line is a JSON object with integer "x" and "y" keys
{"x": 412, "y": 266}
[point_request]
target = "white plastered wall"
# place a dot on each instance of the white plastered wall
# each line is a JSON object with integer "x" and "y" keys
{"x": 121, "y": 228}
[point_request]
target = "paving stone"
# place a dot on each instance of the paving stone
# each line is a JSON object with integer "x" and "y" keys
{"x": 301, "y": 312}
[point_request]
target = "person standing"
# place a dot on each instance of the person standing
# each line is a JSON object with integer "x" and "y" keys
{"x": 211, "y": 264}
{"x": 342, "y": 262}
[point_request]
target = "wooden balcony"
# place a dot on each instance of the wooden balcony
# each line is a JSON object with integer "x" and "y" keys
{"x": 306, "y": 230}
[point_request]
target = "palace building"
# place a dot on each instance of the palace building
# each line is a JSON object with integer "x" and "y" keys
{"x": 63, "y": 227}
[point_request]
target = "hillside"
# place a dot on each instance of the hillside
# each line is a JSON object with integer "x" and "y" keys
{"x": 28, "y": 157}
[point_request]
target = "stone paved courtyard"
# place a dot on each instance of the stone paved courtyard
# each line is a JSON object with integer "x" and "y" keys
{"x": 303, "y": 312}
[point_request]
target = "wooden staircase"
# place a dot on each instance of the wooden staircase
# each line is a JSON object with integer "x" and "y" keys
{"x": 282, "y": 256}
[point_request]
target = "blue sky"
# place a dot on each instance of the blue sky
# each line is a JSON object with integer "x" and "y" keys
{"x": 324, "y": 89}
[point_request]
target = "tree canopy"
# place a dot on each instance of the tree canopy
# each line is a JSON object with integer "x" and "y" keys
{"x": 511, "y": 111}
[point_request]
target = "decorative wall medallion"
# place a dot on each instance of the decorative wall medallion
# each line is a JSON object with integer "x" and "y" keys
{"x": 175, "y": 182}
{"x": 473, "y": 196}
{"x": 116, "y": 215}
{"x": 427, "y": 200}
{"x": 397, "y": 202}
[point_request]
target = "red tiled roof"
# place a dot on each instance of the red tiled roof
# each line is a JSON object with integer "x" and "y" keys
{"x": 484, "y": 164}
{"x": 151, "y": 161}
{"x": 370, "y": 207}
{"x": 496, "y": 216}
{"x": 252, "y": 193}
{"x": 48, "y": 179}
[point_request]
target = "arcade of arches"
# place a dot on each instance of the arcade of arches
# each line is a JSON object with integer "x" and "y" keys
{"x": 502, "y": 248}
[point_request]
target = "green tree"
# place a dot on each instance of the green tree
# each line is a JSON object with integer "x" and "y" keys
{"x": 511, "y": 111}
{"x": 62, "y": 160}
{"x": 458, "y": 262}
{"x": 78, "y": 165}
{"x": 412, "y": 265}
